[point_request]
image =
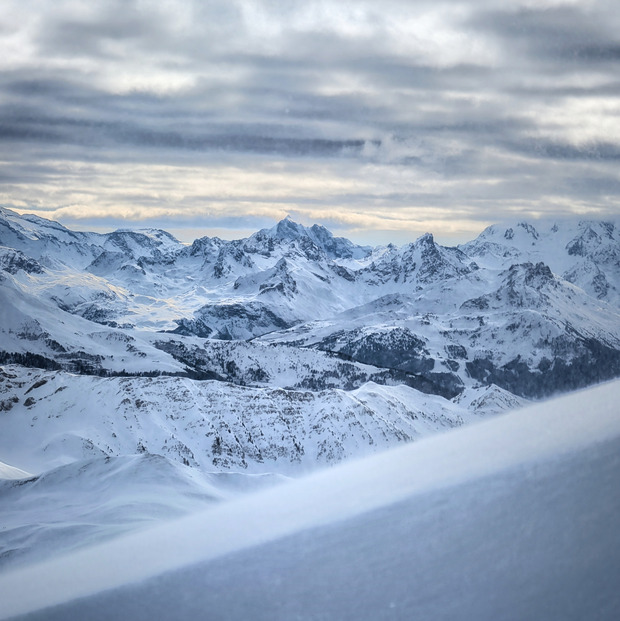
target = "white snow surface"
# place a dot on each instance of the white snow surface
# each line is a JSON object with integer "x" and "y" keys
{"x": 512, "y": 518}
{"x": 54, "y": 418}
{"x": 343, "y": 344}
{"x": 92, "y": 500}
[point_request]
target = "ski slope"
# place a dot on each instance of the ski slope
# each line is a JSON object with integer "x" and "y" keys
{"x": 512, "y": 518}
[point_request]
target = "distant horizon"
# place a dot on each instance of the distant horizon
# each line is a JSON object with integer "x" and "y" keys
{"x": 188, "y": 234}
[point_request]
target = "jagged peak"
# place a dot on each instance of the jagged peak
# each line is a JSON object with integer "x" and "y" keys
{"x": 282, "y": 265}
{"x": 155, "y": 233}
{"x": 529, "y": 269}
{"x": 142, "y": 235}
{"x": 206, "y": 244}
{"x": 512, "y": 232}
{"x": 13, "y": 260}
{"x": 320, "y": 232}
{"x": 32, "y": 219}
{"x": 287, "y": 229}
{"x": 6, "y": 210}
{"x": 507, "y": 231}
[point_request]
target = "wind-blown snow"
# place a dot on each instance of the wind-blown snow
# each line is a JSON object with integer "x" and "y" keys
{"x": 10, "y": 472}
{"x": 513, "y": 518}
{"x": 92, "y": 500}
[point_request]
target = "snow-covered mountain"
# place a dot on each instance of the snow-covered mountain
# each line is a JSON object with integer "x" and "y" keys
{"x": 51, "y": 418}
{"x": 585, "y": 253}
{"x": 534, "y": 311}
{"x": 275, "y": 354}
{"x": 531, "y": 310}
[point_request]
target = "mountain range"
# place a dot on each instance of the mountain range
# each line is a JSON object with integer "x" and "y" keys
{"x": 531, "y": 310}
{"x": 270, "y": 356}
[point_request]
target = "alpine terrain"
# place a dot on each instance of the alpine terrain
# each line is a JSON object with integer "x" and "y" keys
{"x": 142, "y": 378}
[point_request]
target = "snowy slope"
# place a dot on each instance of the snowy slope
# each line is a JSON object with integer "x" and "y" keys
{"x": 514, "y": 518}
{"x": 91, "y": 500}
{"x": 52, "y": 418}
{"x": 530, "y": 332}
{"x": 32, "y": 324}
{"x": 8, "y": 472}
{"x": 585, "y": 252}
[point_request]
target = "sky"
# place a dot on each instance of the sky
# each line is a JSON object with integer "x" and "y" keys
{"x": 379, "y": 120}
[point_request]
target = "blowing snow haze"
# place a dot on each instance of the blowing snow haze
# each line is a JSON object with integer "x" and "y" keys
{"x": 380, "y": 121}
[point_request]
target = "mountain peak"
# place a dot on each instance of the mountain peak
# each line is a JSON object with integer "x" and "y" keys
{"x": 288, "y": 229}
{"x": 426, "y": 239}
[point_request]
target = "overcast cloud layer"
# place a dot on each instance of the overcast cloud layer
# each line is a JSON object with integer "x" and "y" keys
{"x": 380, "y": 120}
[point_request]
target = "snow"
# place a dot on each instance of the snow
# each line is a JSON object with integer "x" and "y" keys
{"x": 93, "y": 500}
{"x": 575, "y": 250}
{"x": 512, "y": 518}
{"x": 492, "y": 298}
{"x": 11, "y": 472}
{"x": 56, "y": 418}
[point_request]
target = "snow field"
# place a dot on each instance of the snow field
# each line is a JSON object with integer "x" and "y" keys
{"x": 511, "y": 518}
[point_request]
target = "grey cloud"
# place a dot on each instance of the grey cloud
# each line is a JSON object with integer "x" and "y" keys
{"x": 608, "y": 90}
{"x": 595, "y": 52}
{"x": 90, "y": 38}
{"x": 323, "y": 96}
{"x": 184, "y": 31}
{"x": 150, "y": 122}
{"x": 587, "y": 185}
{"x": 565, "y": 151}
{"x": 97, "y": 133}
{"x": 566, "y": 34}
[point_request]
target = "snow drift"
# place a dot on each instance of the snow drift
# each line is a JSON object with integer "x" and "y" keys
{"x": 513, "y": 518}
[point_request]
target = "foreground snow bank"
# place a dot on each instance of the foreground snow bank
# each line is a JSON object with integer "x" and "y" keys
{"x": 89, "y": 501}
{"x": 514, "y": 518}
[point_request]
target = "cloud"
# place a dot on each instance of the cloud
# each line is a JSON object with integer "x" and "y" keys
{"x": 568, "y": 35}
{"x": 350, "y": 113}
